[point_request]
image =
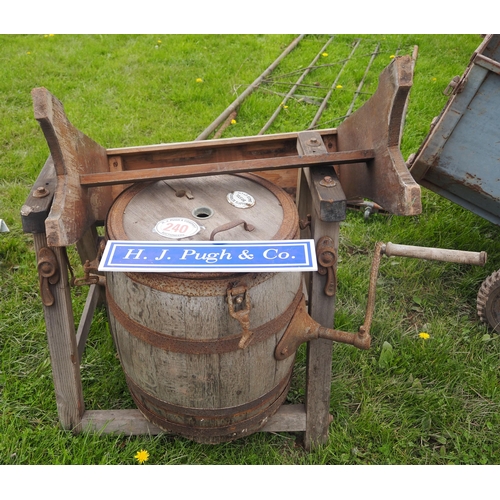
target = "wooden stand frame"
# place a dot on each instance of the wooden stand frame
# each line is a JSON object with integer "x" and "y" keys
{"x": 81, "y": 179}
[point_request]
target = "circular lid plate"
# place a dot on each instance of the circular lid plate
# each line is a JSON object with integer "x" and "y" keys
{"x": 193, "y": 208}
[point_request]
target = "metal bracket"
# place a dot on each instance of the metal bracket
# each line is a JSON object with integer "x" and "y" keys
{"x": 238, "y": 302}
{"x": 302, "y": 328}
{"x": 327, "y": 258}
{"x": 48, "y": 271}
{"x": 456, "y": 86}
{"x": 89, "y": 270}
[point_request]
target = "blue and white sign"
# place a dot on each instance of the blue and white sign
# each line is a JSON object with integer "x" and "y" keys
{"x": 213, "y": 256}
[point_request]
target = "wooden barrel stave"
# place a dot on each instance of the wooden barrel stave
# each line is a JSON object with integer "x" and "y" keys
{"x": 176, "y": 340}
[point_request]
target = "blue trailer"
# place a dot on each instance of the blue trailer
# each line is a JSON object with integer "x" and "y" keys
{"x": 460, "y": 158}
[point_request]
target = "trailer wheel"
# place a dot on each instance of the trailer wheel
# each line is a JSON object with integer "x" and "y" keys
{"x": 488, "y": 301}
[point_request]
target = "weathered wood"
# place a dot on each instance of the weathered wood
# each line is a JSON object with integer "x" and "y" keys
{"x": 319, "y": 351}
{"x": 82, "y": 333}
{"x": 62, "y": 345}
{"x": 127, "y": 422}
{"x": 233, "y": 148}
{"x": 223, "y": 167}
{"x": 177, "y": 341}
{"x": 87, "y": 245}
{"x": 377, "y": 124}
{"x": 37, "y": 206}
{"x": 116, "y": 165}
{"x": 312, "y": 202}
{"x": 74, "y": 208}
{"x": 289, "y": 418}
{"x": 328, "y": 198}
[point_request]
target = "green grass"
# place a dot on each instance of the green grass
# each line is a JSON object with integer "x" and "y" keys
{"x": 434, "y": 401}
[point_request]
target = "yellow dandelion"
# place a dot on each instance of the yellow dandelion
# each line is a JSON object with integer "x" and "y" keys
{"x": 28, "y": 52}
{"x": 338, "y": 87}
{"x": 51, "y": 35}
{"x": 424, "y": 335}
{"x": 325, "y": 54}
{"x": 46, "y": 36}
{"x": 159, "y": 41}
{"x": 142, "y": 456}
{"x": 434, "y": 79}
{"x": 233, "y": 122}
{"x": 199, "y": 80}
{"x": 392, "y": 56}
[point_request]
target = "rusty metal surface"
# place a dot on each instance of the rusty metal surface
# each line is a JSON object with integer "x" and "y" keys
{"x": 198, "y": 284}
{"x": 231, "y": 225}
{"x": 212, "y": 426}
{"x": 327, "y": 259}
{"x": 205, "y": 346}
{"x": 49, "y": 274}
{"x": 239, "y": 305}
{"x": 303, "y": 328}
{"x": 460, "y": 157}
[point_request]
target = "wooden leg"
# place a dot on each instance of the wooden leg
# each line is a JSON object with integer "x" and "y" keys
{"x": 62, "y": 345}
{"x": 326, "y": 208}
{"x": 319, "y": 352}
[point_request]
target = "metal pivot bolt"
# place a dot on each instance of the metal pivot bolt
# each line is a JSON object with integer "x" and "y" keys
{"x": 327, "y": 181}
{"x": 48, "y": 271}
{"x": 40, "y": 192}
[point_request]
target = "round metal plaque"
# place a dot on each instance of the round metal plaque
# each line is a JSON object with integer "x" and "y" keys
{"x": 177, "y": 227}
{"x": 240, "y": 199}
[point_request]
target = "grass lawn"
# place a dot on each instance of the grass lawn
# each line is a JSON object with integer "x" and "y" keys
{"x": 429, "y": 401}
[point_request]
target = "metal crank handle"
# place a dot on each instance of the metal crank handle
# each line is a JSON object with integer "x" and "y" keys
{"x": 444, "y": 255}
{"x": 303, "y": 328}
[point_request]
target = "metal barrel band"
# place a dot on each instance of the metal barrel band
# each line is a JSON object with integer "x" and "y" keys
{"x": 198, "y": 284}
{"x": 214, "y": 346}
{"x": 207, "y": 414}
{"x": 217, "y": 433}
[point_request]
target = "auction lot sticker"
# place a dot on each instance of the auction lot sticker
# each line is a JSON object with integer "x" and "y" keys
{"x": 212, "y": 256}
{"x": 176, "y": 228}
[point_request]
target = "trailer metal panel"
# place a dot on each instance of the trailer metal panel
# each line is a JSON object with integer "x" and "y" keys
{"x": 460, "y": 158}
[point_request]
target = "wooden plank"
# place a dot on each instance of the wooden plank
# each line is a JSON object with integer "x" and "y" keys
{"x": 62, "y": 345}
{"x": 377, "y": 124}
{"x": 319, "y": 351}
{"x": 37, "y": 206}
{"x": 289, "y": 418}
{"x": 128, "y": 422}
{"x": 74, "y": 208}
{"x": 312, "y": 200}
{"x": 238, "y": 145}
{"x": 226, "y": 167}
{"x": 86, "y": 318}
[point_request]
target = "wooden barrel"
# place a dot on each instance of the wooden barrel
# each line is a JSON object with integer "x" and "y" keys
{"x": 176, "y": 339}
